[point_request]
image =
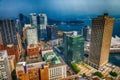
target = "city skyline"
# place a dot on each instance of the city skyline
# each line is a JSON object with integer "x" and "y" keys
{"x": 59, "y": 40}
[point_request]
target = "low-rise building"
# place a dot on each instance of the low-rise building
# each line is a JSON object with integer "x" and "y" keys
{"x": 33, "y": 54}
{"x": 57, "y": 67}
{"x": 32, "y": 50}
{"x": 32, "y": 70}
{"x": 13, "y": 50}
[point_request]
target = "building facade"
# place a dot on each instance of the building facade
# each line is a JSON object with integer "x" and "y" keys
{"x": 33, "y": 71}
{"x": 8, "y": 31}
{"x": 42, "y": 26}
{"x": 33, "y": 19}
{"x": 5, "y": 73}
{"x": 32, "y": 37}
{"x": 100, "y": 40}
{"x": 44, "y": 73}
{"x": 52, "y": 32}
{"x": 86, "y": 33}
{"x": 12, "y": 62}
{"x": 32, "y": 50}
{"x": 24, "y": 31}
{"x": 13, "y": 50}
{"x": 74, "y": 46}
{"x": 57, "y": 72}
{"x": 20, "y": 23}
{"x": 57, "y": 67}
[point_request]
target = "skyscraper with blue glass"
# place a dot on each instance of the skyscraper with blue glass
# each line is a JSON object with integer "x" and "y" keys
{"x": 74, "y": 48}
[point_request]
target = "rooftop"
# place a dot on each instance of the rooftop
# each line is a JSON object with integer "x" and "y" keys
{"x": 33, "y": 58}
{"x": 26, "y": 26}
{"x": 10, "y": 45}
{"x": 52, "y": 59}
{"x": 36, "y": 65}
{"x": 32, "y": 46}
{"x": 20, "y": 65}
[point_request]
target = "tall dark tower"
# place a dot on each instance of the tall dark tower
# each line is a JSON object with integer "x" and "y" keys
{"x": 52, "y": 32}
{"x": 100, "y": 40}
{"x": 8, "y": 31}
{"x": 20, "y": 22}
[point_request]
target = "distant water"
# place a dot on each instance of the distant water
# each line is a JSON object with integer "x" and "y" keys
{"x": 113, "y": 58}
{"x": 78, "y": 27}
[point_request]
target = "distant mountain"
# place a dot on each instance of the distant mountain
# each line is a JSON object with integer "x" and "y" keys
{"x": 52, "y": 21}
{"x": 75, "y": 22}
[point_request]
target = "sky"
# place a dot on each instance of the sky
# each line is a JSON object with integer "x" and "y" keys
{"x": 59, "y": 8}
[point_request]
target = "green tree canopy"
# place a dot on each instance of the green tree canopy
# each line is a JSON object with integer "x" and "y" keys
{"x": 114, "y": 74}
{"x": 99, "y": 74}
{"x": 75, "y": 67}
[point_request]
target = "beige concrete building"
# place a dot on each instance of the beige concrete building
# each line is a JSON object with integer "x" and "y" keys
{"x": 100, "y": 40}
{"x": 12, "y": 62}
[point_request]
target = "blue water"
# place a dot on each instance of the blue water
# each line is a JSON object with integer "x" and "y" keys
{"x": 113, "y": 58}
{"x": 78, "y": 27}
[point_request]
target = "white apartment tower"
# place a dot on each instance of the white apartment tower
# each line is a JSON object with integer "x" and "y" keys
{"x": 32, "y": 37}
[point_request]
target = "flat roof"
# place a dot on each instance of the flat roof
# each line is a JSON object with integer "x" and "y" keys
{"x": 53, "y": 60}
{"x": 20, "y": 65}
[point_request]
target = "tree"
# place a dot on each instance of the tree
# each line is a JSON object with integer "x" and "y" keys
{"x": 99, "y": 74}
{"x": 114, "y": 74}
{"x": 75, "y": 67}
{"x": 13, "y": 74}
{"x": 83, "y": 75}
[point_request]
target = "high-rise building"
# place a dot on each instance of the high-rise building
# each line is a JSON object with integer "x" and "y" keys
{"x": 100, "y": 40}
{"x": 52, "y": 32}
{"x": 18, "y": 26}
{"x": 42, "y": 21}
{"x": 5, "y": 73}
{"x": 20, "y": 23}
{"x": 86, "y": 33}
{"x": 32, "y": 37}
{"x": 74, "y": 48}
{"x": 8, "y": 31}
{"x": 33, "y": 19}
{"x": 24, "y": 31}
{"x": 19, "y": 43}
{"x": 65, "y": 34}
